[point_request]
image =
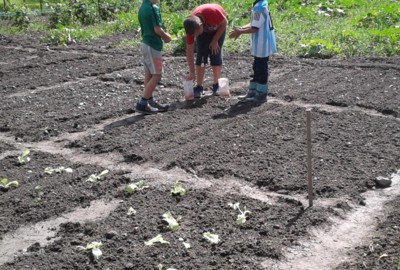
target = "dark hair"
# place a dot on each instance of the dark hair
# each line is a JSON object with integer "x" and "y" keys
{"x": 191, "y": 24}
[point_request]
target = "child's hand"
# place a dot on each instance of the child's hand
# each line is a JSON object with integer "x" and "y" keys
{"x": 166, "y": 38}
{"x": 189, "y": 76}
{"x": 214, "y": 47}
{"x": 235, "y": 33}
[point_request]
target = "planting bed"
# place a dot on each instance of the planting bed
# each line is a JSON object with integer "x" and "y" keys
{"x": 72, "y": 107}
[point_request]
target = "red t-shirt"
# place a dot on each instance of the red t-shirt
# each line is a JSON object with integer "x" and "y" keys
{"x": 211, "y": 14}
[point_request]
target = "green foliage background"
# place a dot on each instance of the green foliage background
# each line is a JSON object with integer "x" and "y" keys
{"x": 304, "y": 28}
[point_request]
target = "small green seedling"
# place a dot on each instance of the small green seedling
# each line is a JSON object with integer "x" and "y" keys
{"x": 131, "y": 211}
{"x": 6, "y": 185}
{"x": 138, "y": 186}
{"x": 241, "y": 217}
{"x": 185, "y": 244}
{"x": 60, "y": 169}
{"x": 160, "y": 267}
{"x": 212, "y": 238}
{"x": 93, "y": 178}
{"x": 94, "y": 247}
{"x": 23, "y": 158}
{"x": 178, "y": 189}
{"x": 172, "y": 222}
{"x": 38, "y": 193}
{"x": 157, "y": 239}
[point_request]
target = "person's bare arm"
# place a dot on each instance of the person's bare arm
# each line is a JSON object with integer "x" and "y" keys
{"x": 190, "y": 61}
{"x": 220, "y": 30}
{"x": 164, "y": 35}
{"x": 246, "y": 29}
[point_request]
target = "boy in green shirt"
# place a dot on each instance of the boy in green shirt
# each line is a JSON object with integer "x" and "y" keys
{"x": 152, "y": 43}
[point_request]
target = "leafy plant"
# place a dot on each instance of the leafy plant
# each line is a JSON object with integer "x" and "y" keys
{"x": 21, "y": 18}
{"x": 93, "y": 178}
{"x": 59, "y": 169}
{"x": 138, "y": 186}
{"x": 318, "y": 48}
{"x": 327, "y": 9}
{"x": 172, "y": 222}
{"x": 38, "y": 193}
{"x": 24, "y": 157}
{"x": 157, "y": 239}
{"x": 160, "y": 267}
{"x": 131, "y": 211}
{"x": 178, "y": 189}
{"x": 94, "y": 247}
{"x": 212, "y": 238}
{"x": 60, "y": 14}
{"x": 63, "y": 35}
{"x": 241, "y": 217}
{"x": 6, "y": 185}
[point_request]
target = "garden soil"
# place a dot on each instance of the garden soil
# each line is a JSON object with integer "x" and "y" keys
{"x": 72, "y": 107}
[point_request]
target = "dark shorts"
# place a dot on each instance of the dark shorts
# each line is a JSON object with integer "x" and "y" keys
{"x": 260, "y": 69}
{"x": 204, "y": 52}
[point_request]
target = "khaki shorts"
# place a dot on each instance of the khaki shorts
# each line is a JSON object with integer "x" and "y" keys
{"x": 152, "y": 59}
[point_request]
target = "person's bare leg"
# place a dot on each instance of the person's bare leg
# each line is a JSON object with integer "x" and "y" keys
{"x": 216, "y": 73}
{"x": 147, "y": 77}
{"x": 200, "y": 74}
{"x": 150, "y": 85}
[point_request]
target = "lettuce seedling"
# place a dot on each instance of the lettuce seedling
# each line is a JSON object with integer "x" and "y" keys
{"x": 93, "y": 178}
{"x": 212, "y": 238}
{"x": 241, "y": 217}
{"x": 23, "y": 158}
{"x": 160, "y": 267}
{"x": 38, "y": 193}
{"x": 131, "y": 211}
{"x": 186, "y": 245}
{"x": 94, "y": 247}
{"x": 177, "y": 189}
{"x": 60, "y": 169}
{"x": 172, "y": 222}
{"x": 138, "y": 186}
{"x": 157, "y": 239}
{"x": 6, "y": 185}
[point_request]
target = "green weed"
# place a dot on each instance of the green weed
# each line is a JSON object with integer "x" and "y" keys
{"x": 318, "y": 48}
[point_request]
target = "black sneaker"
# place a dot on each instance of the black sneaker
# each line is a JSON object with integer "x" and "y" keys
{"x": 159, "y": 106}
{"x": 145, "y": 109}
{"x": 198, "y": 91}
{"x": 215, "y": 88}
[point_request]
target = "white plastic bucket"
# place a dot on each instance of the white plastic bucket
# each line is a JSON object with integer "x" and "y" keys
{"x": 188, "y": 89}
{"x": 224, "y": 87}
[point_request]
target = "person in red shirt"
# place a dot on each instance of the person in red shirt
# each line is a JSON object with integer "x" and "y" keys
{"x": 207, "y": 24}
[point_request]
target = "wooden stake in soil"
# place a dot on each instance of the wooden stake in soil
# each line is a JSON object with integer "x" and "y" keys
{"x": 309, "y": 168}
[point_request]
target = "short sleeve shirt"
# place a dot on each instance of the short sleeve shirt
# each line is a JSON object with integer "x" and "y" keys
{"x": 211, "y": 14}
{"x": 149, "y": 16}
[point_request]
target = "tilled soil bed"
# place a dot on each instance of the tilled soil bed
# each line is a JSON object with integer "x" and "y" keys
{"x": 73, "y": 107}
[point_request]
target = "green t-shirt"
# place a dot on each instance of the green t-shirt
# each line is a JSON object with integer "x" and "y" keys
{"x": 149, "y": 16}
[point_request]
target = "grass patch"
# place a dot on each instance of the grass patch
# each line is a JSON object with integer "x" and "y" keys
{"x": 303, "y": 28}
